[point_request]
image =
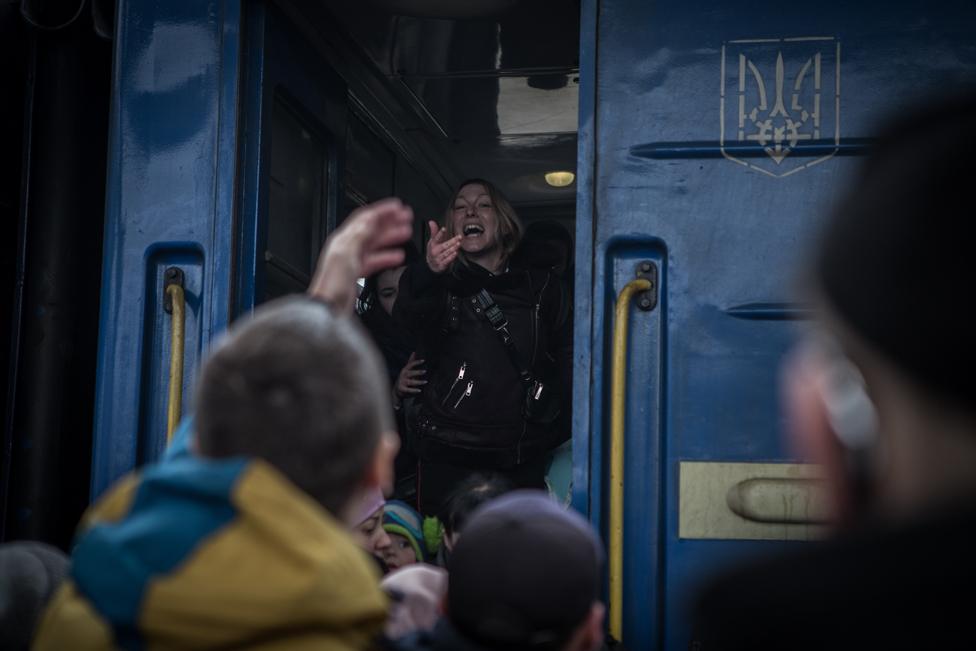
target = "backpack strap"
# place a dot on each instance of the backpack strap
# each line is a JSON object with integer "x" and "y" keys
{"x": 484, "y": 303}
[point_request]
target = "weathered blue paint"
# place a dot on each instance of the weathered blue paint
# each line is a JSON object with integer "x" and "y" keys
{"x": 654, "y": 184}
{"x": 253, "y": 195}
{"x": 586, "y": 406}
{"x": 169, "y": 198}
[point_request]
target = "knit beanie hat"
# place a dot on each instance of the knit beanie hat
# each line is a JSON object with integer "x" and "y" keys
{"x": 369, "y": 504}
{"x": 400, "y": 518}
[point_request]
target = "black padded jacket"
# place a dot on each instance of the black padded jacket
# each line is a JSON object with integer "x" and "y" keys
{"x": 471, "y": 410}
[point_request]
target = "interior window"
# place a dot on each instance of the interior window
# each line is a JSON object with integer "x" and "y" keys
{"x": 296, "y": 210}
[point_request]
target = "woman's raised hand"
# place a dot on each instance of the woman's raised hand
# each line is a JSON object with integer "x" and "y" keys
{"x": 440, "y": 250}
{"x": 370, "y": 239}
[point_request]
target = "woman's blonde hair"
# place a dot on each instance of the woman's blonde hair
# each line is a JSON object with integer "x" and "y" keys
{"x": 509, "y": 226}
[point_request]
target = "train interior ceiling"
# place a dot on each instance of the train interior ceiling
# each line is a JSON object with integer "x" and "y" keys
{"x": 433, "y": 92}
{"x": 491, "y": 89}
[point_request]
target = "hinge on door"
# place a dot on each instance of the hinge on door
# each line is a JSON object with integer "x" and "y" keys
{"x": 647, "y": 300}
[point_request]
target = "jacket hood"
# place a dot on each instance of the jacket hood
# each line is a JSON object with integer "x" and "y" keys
{"x": 216, "y": 553}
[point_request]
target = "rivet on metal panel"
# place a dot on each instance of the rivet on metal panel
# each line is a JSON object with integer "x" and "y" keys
{"x": 172, "y": 276}
{"x": 647, "y": 300}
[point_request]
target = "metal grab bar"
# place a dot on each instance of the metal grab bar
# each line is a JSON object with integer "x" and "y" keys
{"x": 618, "y": 394}
{"x": 176, "y": 301}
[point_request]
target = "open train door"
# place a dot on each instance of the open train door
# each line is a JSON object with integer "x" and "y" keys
{"x": 713, "y": 138}
{"x": 224, "y": 150}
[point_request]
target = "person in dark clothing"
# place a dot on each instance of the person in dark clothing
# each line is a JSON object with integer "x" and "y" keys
{"x": 881, "y": 394}
{"x": 525, "y": 575}
{"x": 470, "y": 494}
{"x": 552, "y": 234}
{"x": 375, "y": 308}
{"x": 494, "y": 324}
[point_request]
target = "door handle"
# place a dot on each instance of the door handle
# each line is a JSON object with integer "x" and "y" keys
{"x": 618, "y": 394}
{"x": 174, "y": 302}
{"x": 782, "y": 500}
{"x": 736, "y": 500}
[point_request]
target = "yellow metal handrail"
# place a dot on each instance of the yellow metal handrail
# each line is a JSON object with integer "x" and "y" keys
{"x": 174, "y": 405}
{"x": 618, "y": 395}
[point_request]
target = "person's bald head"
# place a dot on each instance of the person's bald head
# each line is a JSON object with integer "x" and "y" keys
{"x": 894, "y": 264}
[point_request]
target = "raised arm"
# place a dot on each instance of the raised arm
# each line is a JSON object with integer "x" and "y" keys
{"x": 368, "y": 241}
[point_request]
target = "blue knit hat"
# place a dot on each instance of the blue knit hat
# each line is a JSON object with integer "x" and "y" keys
{"x": 400, "y": 518}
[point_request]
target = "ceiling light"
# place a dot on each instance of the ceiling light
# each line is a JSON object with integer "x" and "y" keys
{"x": 559, "y": 179}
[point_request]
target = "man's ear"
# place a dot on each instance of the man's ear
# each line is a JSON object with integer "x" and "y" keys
{"x": 803, "y": 381}
{"x": 591, "y": 631}
{"x": 588, "y": 636}
{"x": 379, "y": 472}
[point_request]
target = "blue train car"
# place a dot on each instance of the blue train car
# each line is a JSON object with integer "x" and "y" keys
{"x": 175, "y": 163}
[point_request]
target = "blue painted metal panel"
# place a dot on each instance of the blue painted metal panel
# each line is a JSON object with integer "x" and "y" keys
{"x": 660, "y": 85}
{"x": 169, "y": 198}
{"x": 587, "y": 461}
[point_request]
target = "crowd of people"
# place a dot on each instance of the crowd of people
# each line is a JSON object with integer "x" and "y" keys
{"x": 301, "y": 507}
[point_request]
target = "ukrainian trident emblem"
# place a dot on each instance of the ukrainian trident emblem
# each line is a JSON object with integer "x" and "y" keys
{"x": 780, "y": 103}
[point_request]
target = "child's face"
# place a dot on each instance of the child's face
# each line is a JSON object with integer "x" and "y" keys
{"x": 399, "y": 553}
{"x": 370, "y": 534}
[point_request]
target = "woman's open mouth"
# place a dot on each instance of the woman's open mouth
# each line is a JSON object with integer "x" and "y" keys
{"x": 473, "y": 230}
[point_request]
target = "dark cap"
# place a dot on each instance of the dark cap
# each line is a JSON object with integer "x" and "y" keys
{"x": 30, "y": 572}
{"x": 524, "y": 573}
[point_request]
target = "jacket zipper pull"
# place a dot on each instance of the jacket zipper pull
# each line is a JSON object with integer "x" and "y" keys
{"x": 460, "y": 376}
{"x": 467, "y": 392}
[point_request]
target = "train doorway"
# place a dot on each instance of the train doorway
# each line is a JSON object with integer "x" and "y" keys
{"x": 406, "y": 100}
{"x": 54, "y": 119}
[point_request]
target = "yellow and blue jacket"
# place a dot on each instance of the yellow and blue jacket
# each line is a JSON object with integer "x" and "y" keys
{"x": 203, "y": 553}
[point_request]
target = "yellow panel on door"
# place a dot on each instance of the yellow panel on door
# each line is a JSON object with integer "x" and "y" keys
{"x": 751, "y": 501}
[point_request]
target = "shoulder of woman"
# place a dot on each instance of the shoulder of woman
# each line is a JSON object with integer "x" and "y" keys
{"x": 556, "y": 299}
{"x": 536, "y": 254}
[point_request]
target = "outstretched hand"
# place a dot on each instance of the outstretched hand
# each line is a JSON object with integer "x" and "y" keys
{"x": 368, "y": 241}
{"x": 441, "y": 251}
